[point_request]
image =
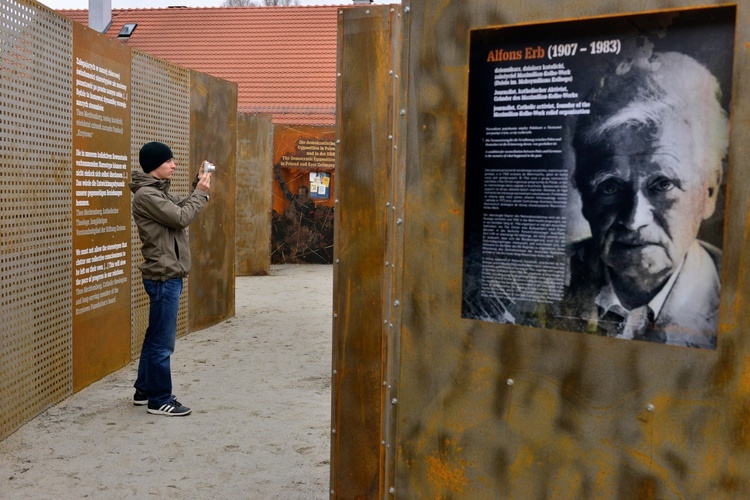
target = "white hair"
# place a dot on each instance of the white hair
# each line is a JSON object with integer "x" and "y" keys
{"x": 651, "y": 91}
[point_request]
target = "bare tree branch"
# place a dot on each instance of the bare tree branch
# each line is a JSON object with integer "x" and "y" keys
{"x": 279, "y": 3}
{"x": 259, "y": 3}
{"x": 239, "y": 3}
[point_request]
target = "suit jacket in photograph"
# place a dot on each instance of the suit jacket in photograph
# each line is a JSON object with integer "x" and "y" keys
{"x": 688, "y": 317}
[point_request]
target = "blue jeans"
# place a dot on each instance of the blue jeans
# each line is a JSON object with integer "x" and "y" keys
{"x": 154, "y": 374}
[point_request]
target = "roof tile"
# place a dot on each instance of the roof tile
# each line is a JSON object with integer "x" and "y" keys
{"x": 283, "y": 59}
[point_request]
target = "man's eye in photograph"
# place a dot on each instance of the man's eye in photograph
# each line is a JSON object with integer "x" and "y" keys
{"x": 609, "y": 188}
{"x": 663, "y": 185}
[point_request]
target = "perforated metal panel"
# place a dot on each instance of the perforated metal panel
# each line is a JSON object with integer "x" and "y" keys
{"x": 36, "y": 215}
{"x": 160, "y": 111}
{"x": 36, "y": 220}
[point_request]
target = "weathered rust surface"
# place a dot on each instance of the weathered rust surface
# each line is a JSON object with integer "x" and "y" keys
{"x": 101, "y": 319}
{"x": 495, "y": 411}
{"x": 399, "y": 38}
{"x": 253, "y": 217}
{"x": 36, "y": 223}
{"x": 362, "y": 218}
{"x": 213, "y": 128}
{"x": 161, "y": 89}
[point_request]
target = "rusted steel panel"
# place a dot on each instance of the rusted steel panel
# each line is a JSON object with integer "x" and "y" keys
{"x": 362, "y": 214}
{"x": 213, "y": 128}
{"x": 101, "y": 239}
{"x": 36, "y": 224}
{"x": 502, "y": 411}
{"x": 252, "y": 229}
{"x": 164, "y": 89}
{"x": 394, "y": 250}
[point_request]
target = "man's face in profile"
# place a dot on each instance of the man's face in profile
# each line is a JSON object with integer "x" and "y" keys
{"x": 646, "y": 201}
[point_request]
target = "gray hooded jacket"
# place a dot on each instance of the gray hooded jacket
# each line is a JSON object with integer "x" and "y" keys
{"x": 162, "y": 219}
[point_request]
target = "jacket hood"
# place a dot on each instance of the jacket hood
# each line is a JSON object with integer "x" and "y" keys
{"x": 141, "y": 179}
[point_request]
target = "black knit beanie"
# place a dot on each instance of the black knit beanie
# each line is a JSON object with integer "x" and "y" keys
{"x": 153, "y": 154}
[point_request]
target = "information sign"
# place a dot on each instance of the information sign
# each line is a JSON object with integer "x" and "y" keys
{"x": 595, "y": 170}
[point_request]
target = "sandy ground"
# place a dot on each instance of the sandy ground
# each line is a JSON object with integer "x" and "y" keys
{"x": 259, "y": 387}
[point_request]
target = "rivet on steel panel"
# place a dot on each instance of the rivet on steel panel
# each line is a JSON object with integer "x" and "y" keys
{"x": 406, "y": 10}
{"x": 337, "y": 261}
{"x": 396, "y": 303}
{"x": 338, "y": 141}
{"x": 399, "y": 221}
{"x": 390, "y": 72}
{"x": 402, "y": 112}
{"x": 387, "y": 263}
{"x": 335, "y": 372}
{"x": 394, "y": 401}
{"x": 393, "y": 10}
{"x": 338, "y": 75}
{"x": 390, "y": 137}
{"x": 650, "y": 407}
{"x": 367, "y": 12}
{"x": 396, "y": 76}
{"x": 382, "y": 443}
{"x": 385, "y": 383}
{"x": 333, "y": 431}
{"x": 510, "y": 381}
{"x": 335, "y": 315}
{"x": 387, "y": 203}
{"x": 395, "y": 147}
{"x": 336, "y": 201}
{"x": 340, "y": 12}
{"x": 392, "y": 490}
{"x": 390, "y": 326}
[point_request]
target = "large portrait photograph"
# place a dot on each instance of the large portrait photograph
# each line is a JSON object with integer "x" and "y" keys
{"x": 596, "y": 169}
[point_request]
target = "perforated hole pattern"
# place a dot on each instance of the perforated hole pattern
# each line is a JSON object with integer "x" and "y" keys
{"x": 160, "y": 111}
{"x": 36, "y": 216}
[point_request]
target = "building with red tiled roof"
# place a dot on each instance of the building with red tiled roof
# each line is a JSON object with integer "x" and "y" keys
{"x": 283, "y": 59}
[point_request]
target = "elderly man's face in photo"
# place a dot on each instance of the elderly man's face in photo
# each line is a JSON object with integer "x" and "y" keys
{"x": 646, "y": 201}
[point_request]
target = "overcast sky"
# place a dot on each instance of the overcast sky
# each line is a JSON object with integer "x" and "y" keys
{"x": 153, "y": 4}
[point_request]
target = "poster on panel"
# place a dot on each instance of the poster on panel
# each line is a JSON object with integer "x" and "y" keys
{"x": 320, "y": 185}
{"x": 101, "y": 211}
{"x": 304, "y": 158}
{"x": 595, "y": 174}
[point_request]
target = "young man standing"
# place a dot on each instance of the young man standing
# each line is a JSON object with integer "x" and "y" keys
{"x": 162, "y": 220}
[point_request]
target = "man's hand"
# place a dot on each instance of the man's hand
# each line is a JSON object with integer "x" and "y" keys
{"x": 204, "y": 181}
